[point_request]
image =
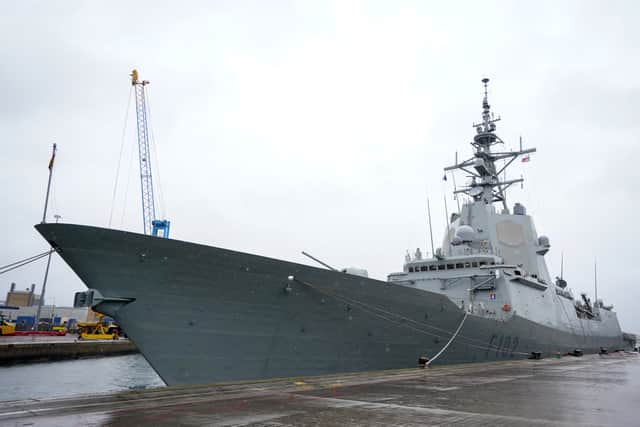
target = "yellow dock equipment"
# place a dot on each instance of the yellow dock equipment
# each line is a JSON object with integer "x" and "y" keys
{"x": 97, "y": 330}
{"x": 7, "y": 328}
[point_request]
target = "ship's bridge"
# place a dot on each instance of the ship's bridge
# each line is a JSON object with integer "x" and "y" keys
{"x": 446, "y": 268}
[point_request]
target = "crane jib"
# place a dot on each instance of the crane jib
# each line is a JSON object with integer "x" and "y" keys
{"x": 152, "y": 226}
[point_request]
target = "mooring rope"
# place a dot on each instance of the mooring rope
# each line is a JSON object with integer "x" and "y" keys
{"x": 466, "y": 313}
{"x": 23, "y": 262}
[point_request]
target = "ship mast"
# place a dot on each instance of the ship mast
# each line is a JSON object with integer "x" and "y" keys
{"x": 486, "y": 185}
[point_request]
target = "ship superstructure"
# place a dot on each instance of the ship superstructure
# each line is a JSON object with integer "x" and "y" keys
{"x": 492, "y": 260}
{"x": 201, "y": 314}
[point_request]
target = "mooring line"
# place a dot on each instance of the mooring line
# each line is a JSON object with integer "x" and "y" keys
{"x": 23, "y": 262}
{"x": 466, "y": 313}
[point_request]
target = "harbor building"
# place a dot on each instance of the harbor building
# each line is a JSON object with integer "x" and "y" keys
{"x": 22, "y": 298}
{"x": 21, "y": 307}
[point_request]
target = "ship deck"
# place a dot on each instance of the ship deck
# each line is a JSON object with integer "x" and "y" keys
{"x": 591, "y": 390}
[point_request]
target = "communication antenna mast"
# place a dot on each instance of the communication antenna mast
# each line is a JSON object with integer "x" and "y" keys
{"x": 152, "y": 226}
{"x": 446, "y": 214}
{"x": 433, "y": 253}
{"x": 595, "y": 280}
{"x": 487, "y": 185}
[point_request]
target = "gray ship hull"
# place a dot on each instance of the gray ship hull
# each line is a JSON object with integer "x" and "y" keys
{"x": 202, "y": 314}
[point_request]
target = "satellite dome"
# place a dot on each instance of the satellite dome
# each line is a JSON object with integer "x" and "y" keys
{"x": 465, "y": 233}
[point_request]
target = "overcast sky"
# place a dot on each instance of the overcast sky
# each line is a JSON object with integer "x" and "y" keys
{"x": 323, "y": 126}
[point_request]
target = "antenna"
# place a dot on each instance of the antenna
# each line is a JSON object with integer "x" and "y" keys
{"x": 455, "y": 188}
{"x": 562, "y": 265}
{"x": 482, "y": 165}
{"x": 595, "y": 280}
{"x": 433, "y": 253}
{"x": 446, "y": 213}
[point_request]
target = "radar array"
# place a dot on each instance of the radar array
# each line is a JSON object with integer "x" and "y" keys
{"x": 486, "y": 184}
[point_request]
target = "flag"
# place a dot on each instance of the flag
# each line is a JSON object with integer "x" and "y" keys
{"x": 53, "y": 157}
{"x": 492, "y": 296}
{"x": 526, "y": 158}
{"x": 444, "y": 178}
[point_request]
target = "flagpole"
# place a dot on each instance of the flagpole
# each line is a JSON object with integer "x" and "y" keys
{"x": 44, "y": 287}
{"x": 44, "y": 219}
{"x": 46, "y": 199}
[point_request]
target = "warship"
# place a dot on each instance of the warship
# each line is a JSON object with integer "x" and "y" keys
{"x": 202, "y": 314}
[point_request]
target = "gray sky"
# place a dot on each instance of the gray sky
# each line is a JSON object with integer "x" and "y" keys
{"x": 322, "y": 126}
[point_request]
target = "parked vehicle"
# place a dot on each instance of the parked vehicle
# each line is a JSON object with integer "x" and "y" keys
{"x": 98, "y": 330}
{"x": 6, "y": 327}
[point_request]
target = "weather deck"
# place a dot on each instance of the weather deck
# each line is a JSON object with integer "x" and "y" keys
{"x": 592, "y": 390}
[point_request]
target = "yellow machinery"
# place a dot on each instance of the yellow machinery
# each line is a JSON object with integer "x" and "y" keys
{"x": 98, "y": 330}
{"x": 7, "y": 328}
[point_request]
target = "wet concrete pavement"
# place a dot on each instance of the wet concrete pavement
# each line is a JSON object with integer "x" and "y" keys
{"x": 589, "y": 391}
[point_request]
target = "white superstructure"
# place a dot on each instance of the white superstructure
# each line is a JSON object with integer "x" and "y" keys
{"x": 492, "y": 259}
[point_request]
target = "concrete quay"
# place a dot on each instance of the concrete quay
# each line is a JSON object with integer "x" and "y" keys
{"x": 592, "y": 390}
{"x": 23, "y": 349}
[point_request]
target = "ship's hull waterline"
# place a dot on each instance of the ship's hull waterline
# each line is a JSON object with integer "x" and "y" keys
{"x": 202, "y": 314}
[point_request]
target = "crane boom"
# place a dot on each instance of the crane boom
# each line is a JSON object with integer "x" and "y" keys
{"x": 152, "y": 226}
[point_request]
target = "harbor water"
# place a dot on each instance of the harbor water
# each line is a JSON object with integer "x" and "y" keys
{"x": 77, "y": 377}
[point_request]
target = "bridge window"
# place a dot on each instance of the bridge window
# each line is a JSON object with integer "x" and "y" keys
{"x": 433, "y": 267}
{"x": 423, "y": 268}
{"x": 410, "y": 269}
{"x": 459, "y": 265}
{"x": 474, "y": 264}
{"x": 450, "y": 267}
{"x": 440, "y": 266}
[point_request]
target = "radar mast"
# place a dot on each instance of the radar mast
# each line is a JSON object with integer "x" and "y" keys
{"x": 486, "y": 185}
